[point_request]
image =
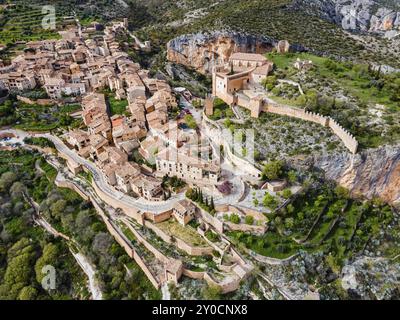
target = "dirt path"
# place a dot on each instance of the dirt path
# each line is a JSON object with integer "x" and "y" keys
{"x": 90, "y": 272}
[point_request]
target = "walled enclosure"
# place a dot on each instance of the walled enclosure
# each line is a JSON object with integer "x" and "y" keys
{"x": 225, "y": 87}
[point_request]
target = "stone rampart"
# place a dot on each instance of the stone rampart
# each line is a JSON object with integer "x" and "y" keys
{"x": 348, "y": 139}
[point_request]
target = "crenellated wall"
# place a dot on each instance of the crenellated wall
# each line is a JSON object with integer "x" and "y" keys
{"x": 348, "y": 139}
{"x": 257, "y": 105}
{"x": 296, "y": 113}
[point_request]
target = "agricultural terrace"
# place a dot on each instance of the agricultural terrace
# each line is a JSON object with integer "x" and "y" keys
{"x": 322, "y": 219}
{"x": 185, "y": 233}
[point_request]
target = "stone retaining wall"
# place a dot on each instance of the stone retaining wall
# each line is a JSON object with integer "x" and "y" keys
{"x": 198, "y": 275}
{"x": 124, "y": 243}
{"x": 213, "y": 221}
{"x": 129, "y": 211}
{"x": 190, "y": 250}
{"x": 69, "y": 185}
{"x": 148, "y": 245}
{"x": 224, "y": 287}
{"x": 258, "y": 230}
{"x": 272, "y": 261}
{"x": 41, "y": 102}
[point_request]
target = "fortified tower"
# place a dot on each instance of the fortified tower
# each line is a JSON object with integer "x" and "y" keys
{"x": 209, "y": 105}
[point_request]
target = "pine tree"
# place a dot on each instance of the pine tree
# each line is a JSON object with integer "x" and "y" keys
{"x": 206, "y": 201}
{"x": 212, "y": 204}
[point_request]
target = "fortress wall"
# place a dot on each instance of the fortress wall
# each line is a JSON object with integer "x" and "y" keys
{"x": 70, "y": 185}
{"x": 129, "y": 211}
{"x": 138, "y": 259}
{"x": 226, "y": 287}
{"x": 148, "y": 246}
{"x": 348, "y": 139}
{"x": 297, "y": 113}
{"x": 198, "y": 275}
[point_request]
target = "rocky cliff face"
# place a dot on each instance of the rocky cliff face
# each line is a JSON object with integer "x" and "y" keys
{"x": 374, "y": 172}
{"x": 382, "y": 16}
{"x": 202, "y": 50}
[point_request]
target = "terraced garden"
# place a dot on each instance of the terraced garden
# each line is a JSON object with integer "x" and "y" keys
{"x": 187, "y": 233}
{"x": 24, "y": 23}
{"x": 323, "y": 219}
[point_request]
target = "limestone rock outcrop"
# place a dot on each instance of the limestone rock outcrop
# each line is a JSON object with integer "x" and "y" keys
{"x": 378, "y": 16}
{"x": 201, "y": 51}
{"x": 371, "y": 173}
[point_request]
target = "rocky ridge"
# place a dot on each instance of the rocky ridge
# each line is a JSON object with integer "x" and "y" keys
{"x": 371, "y": 173}
{"x": 357, "y": 15}
{"x": 199, "y": 50}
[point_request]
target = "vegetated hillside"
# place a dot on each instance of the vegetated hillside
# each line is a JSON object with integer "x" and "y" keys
{"x": 25, "y": 247}
{"x": 277, "y": 19}
{"x": 366, "y": 15}
{"x": 308, "y": 25}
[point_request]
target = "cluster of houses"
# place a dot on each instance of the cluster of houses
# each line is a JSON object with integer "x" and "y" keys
{"x": 83, "y": 63}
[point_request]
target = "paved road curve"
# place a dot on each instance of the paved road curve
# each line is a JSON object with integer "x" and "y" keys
{"x": 141, "y": 204}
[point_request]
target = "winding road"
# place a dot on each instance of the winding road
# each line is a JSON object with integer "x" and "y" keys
{"x": 139, "y": 204}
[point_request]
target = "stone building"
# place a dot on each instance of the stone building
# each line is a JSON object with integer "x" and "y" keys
{"x": 184, "y": 212}
{"x": 173, "y": 162}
